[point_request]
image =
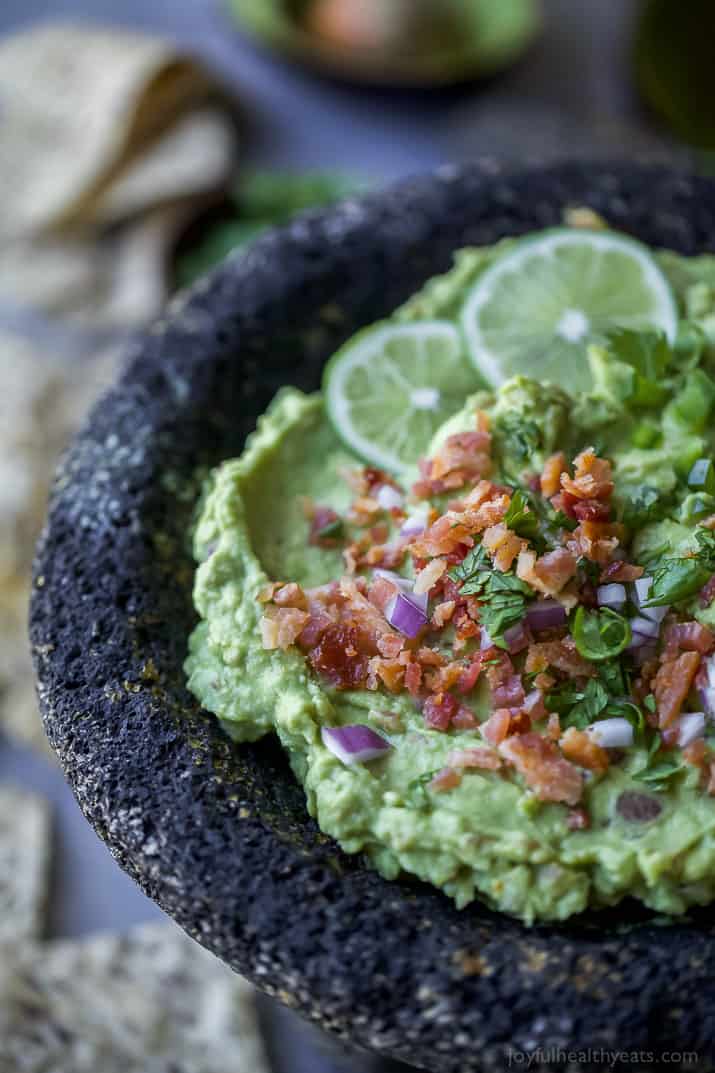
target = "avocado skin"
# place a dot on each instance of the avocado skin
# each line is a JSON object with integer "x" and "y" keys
{"x": 218, "y": 835}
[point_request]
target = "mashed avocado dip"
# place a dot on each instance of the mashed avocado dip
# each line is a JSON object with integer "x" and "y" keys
{"x": 491, "y": 669}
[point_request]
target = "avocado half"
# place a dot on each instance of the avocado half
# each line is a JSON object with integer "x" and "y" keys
{"x": 218, "y": 834}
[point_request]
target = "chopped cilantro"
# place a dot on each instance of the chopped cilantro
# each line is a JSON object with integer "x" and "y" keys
{"x": 678, "y": 579}
{"x": 647, "y": 505}
{"x": 659, "y": 776}
{"x": 331, "y": 531}
{"x": 648, "y": 355}
{"x": 502, "y": 596}
{"x": 600, "y": 635}
{"x": 520, "y": 518}
{"x": 590, "y": 570}
{"x": 518, "y": 436}
{"x": 649, "y": 702}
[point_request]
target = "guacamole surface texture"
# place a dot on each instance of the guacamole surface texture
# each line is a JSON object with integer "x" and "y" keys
{"x": 545, "y": 743}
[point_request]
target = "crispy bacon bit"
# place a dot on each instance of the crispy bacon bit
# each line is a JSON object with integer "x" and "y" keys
{"x": 592, "y": 479}
{"x": 550, "y": 481}
{"x": 687, "y": 637}
{"x": 444, "y": 536}
{"x": 595, "y": 540}
{"x": 446, "y": 779}
{"x": 561, "y": 655}
{"x": 548, "y": 574}
{"x": 440, "y": 680}
{"x": 496, "y": 727}
{"x": 673, "y": 682}
{"x": 464, "y": 719}
{"x": 429, "y": 577}
{"x": 620, "y": 571}
{"x": 519, "y": 722}
{"x": 592, "y": 510}
{"x": 438, "y": 710}
{"x": 443, "y": 613}
{"x": 320, "y": 519}
{"x": 534, "y": 704}
{"x": 265, "y": 595}
{"x": 469, "y": 676}
{"x": 503, "y": 545}
{"x": 579, "y": 747}
{"x": 505, "y": 684}
{"x": 413, "y": 678}
{"x": 338, "y": 657}
{"x": 391, "y": 673}
{"x": 291, "y": 595}
{"x": 544, "y": 681}
{"x": 380, "y": 592}
{"x": 390, "y": 645}
{"x": 696, "y": 753}
{"x": 466, "y": 453}
{"x": 281, "y": 626}
{"x": 553, "y": 727}
{"x": 578, "y": 819}
{"x": 543, "y": 768}
{"x": 474, "y": 758}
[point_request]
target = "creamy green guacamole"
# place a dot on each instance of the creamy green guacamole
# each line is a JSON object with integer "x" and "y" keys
{"x": 489, "y": 837}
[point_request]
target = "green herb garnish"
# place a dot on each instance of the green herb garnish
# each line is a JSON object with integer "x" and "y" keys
{"x": 519, "y": 437}
{"x": 502, "y": 596}
{"x": 520, "y": 518}
{"x": 648, "y": 355}
{"x": 676, "y": 580}
{"x": 600, "y": 635}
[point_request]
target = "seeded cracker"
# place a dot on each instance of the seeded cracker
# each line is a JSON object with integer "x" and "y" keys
{"x": 151, "y": 1001}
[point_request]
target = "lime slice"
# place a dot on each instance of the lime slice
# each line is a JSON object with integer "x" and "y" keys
{"x": 533, "y": 310}
{"x": 391, "y": 386}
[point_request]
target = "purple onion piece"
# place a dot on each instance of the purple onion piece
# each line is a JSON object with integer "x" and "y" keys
{"x": 355, "y": 744}
{"x": 691, "y": 726}
{"x": 707, "y": 699}
{"x": 545, "y": 615}
{"x": 516, "y": 638}
{"x": 641, "y": 588}
{"x": 645, "y": 626}
{"x": 642, "y": 649}
{"x": 485, "y": 640}
{"x": 388, "y": 497}
{"x": 403, "y": 613}
{"x": 613, "y": 596}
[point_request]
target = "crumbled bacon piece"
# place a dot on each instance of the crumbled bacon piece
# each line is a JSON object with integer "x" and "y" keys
{"x": 265, "y": 595}
{"x": 464, "y": 452}
{"x": 320, "y": 519}
{"x": 544, "y": 681}
{"x": 592, "y": 510}
{"x": 496, "y": 727}
{"x": 446, "y": 779}
{"x": 592, "y": 479}
{"x": 503, "y": 545}
{"x": 390, "y": 671}
{"x": 550, "y": 480}
{"x": 428, "y": 578}
{"x": 595, "y": 540}
{"x": 549, "y": 573}
{"x": 673, "y": 682}
{"x": 413, "y": 678}
{"x": 444, "y": 536}
{"x": 443, "y": 613}
{"x": 390, "y": 645}
{"x": 579, "y": 747}
{"x": 444, "y": 678}
{"x": 553, "y": 727}
{"x": 696, "y": 753}
{"x": 338, "y": 656}
{"x": 291, "y": 595}
{"x": 438, "y": 710}
{"x": 534, "y": 704}
{"x": 562, "y": 655}
{"x": 687, "y": 637}
{"x": 543, "y": 768}
{"x": 380, "y": 592}
{"x": 281, "y": 626}
{"x": 620, "y": 571}
{"x": 469, "y": 676}
{"x": 474, "y": 758}
{"x": 578, "y": 819}
{"x": 505, "y": 684}
{"x": 464, "y": 718}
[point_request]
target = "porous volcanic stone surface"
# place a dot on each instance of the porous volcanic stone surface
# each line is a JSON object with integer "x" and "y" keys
{"x": 218, "y": 834}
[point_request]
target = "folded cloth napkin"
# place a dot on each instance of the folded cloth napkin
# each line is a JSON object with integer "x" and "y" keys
{"x": 110, "y": 142}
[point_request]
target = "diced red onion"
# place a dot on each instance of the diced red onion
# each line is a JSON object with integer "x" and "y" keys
{"x": 403, "y": 613}
{"x": 415, "y": 522}
{"x": 691, "y": 726}
{"x": 545, "y": 615}
{"x": 646, "y": 627}
{"x": 710, "y": 670}
{"x": 516, "y": 638}
{"x": 485, "y": 640}
{"x": 614, "y": 733}
{"x": 355, "y": 744}
{"x": 639, "y": 594}
{"x": 613, "y": 596}
{"x": 388, "y": 497}
{"x": 637, "y": 641}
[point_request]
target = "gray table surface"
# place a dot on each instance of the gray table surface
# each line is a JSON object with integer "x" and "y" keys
{"x": 579, "y": 67}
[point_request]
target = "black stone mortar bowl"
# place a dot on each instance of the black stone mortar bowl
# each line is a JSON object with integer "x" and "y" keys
{"x": 218, "y": 834}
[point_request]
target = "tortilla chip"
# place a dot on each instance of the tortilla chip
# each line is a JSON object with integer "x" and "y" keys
{"x": 151, "y": 1000}
{"x": 24, "y": 864}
